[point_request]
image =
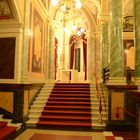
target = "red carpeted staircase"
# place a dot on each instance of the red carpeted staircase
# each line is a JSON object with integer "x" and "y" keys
{"x": 68, "y": 106}
{"x": 6, "y": 131}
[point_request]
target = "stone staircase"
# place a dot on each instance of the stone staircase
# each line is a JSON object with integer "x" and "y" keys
{"x": 9, "y": 122}
{"x": 7, "y": 128}
{"x": 99, "y": 119}
{"x": 68, "y": 107}
{"x": 38, "y": 104}
{"x": 40, "y": 101}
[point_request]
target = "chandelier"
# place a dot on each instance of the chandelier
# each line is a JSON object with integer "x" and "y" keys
{"x": 66, "y": 5}
{"x": 69, "y": 8}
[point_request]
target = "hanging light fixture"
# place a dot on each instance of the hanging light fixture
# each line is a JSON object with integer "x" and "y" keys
{"x": 74, "y": 27}
{"x": 54, "y": 2}
{"x": 67, "y": 31}
{"x": 69, "y": 8}
{"x": 78, "y": 4}
{"x": 82, "y": 30}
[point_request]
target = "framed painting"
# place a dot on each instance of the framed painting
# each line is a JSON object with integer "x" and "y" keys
{"x": 37, "y": 47}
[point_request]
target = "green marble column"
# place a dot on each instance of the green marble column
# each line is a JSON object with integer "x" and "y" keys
{"x": 137, "y": 37}
{"x": 116, "y": 43}
{"x": 104, "y": 43}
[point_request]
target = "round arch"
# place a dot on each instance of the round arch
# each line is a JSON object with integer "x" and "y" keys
{"x": 88, "y": 18}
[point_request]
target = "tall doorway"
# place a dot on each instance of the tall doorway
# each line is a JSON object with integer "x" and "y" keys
{"x": 78, "y": 58}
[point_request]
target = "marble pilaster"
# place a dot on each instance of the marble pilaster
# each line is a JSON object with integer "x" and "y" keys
{"x": 51, "y": 53}
{"x": 91, "y": 57}
{"x": 25, "y": 46}
{"x": 97, "y": 53}
{"x": 116, "y": 43}
{"x": 104, "y": 43}
{"x": 47, "y": 52}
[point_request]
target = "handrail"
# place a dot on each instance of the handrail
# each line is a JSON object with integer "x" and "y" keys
{"x": 98, "y": 95}
{"x": 124, "y": 110}
{"x": 129, "y": 75}
{"x": 106, "y": 74}
{"x": 105, "y": 95}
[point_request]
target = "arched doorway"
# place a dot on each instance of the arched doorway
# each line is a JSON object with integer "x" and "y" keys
{"x": 78, "y": 57}
{"x": 81, "y": 51}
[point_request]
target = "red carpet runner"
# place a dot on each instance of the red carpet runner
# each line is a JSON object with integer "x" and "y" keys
{"x": 68, "y": 106}
{"x": 58, "y": 137}
{"x": 6, "y": 131}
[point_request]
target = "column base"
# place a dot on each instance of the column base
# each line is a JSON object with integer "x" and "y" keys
{"x": 117, "y": 81}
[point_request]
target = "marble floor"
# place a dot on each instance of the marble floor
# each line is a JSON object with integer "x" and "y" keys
{"x": 30, "y": 134}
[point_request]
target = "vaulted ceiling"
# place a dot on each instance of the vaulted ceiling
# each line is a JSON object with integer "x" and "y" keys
{"x": 88, "y": 13}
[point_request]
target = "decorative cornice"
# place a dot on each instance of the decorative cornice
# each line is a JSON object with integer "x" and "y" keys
{"x": 11, "y": 23}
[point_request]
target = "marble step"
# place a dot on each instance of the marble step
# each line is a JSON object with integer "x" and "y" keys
{"x": 6, "y": 120}
{"x": 35, "y": 112}
{"x": 43, "y": 95}
{"x": 96, "y": 108}
{"x": 37, "y": 107}
{"x": 98, "y": 124}
{"x": 45, "y": 90}
{"x": 18, "y": 125}
{"x": 31, "y": 122}
{"x": 96, "y": 113}
{"x": 9, "y": 123}
{"x": 94, "y": 118}
{"x": 42, "y": 98}
{"x": 43, "y": 102}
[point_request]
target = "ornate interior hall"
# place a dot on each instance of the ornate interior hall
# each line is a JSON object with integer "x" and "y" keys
{"x": 70, "y": 69}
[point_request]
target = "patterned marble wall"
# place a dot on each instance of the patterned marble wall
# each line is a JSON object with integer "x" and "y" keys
{"x": 6, "y": 101}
